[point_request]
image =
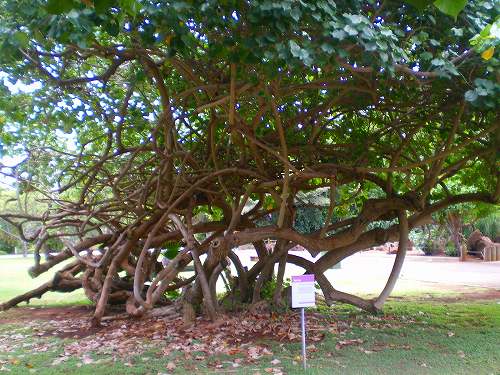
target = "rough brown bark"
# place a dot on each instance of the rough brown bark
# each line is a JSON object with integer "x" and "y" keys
{"x": 398, "y": 262}
{"x": 208, "y": 298}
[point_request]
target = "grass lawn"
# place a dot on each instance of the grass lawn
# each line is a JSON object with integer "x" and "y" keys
{"x": 419, "y": 338}
{"x": 414, "y": 336}
{"x": 14, "y": 280}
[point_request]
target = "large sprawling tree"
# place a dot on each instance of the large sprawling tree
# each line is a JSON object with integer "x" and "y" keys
{"x": 194, "y": 127}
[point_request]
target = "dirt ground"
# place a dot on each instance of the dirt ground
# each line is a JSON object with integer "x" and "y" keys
{"x": 21, "y": 314}
{"x": 463, "y": 295}
{"x": 235, "y": 333}
{"x": 248, "y": 333}
{"x": 55, "y": 339}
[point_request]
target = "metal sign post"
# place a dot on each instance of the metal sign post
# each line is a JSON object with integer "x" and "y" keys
{"x": 303, "y": 295}
{"x": 303, "y": 324}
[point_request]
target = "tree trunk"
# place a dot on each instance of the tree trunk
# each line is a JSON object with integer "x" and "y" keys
{"x": 279, "y": 281}
{"x": 398, "y": 262}
{"x": 455, "y": 227}
{"x": 202, "y": 278}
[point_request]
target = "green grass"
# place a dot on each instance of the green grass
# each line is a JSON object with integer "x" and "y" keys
{"x": 415, "y": 336}
{"x": 426, "y": 338}
{"x": 412, "y": 338}
{"x": 15, "y": 280}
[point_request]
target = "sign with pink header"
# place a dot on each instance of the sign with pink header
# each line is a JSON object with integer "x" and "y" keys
{"x": 303, "y": 291}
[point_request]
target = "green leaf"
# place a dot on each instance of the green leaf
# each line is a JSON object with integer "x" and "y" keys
{"x": 172, "y": 250}
{"x": 370, "y": 47}
{"x": 368, "y": 33}
{"x": 350, "y": 30}
{"x": 101, "y": 6}
{"x": 481, "y": 91}
{"x": 296, "y": 13}
{"x": 294, "y": 48}
{"x": 451, "y": 7}
{"x": 131, "y": 7}
{"x": 386, "y": 32}
{"x": 21, "y": 39}
{"x": 484, "y": 83}
{"x": 452, "y": 69}
{"x": 73, "y": 13}
{"x": 354, "y": 18}
{"x": 486, "y": 31}
{"x": 339, "y": 34}
{"x": 419, "y": 4}
{"x": 38, "y": 35}
{"x": 426, "y": 56}
{"x": 471, "y": 95}
{"x": 438, "y": 62}
{"x": 59, "y": 6}
{"x": 300, "y": 53}
{"x": 112, "y": 28}
{"x": 67, "y": 128}
{"x": 327, "y": 48}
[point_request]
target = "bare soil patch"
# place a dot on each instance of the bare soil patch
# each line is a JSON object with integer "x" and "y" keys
{"x": 243, "y": 335}
{"x": 484, "y": 295}
{"x": 80, "y": 313}
{"x": 20, "y": 314}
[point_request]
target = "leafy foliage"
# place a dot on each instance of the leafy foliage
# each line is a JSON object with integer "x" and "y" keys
{"x": 489, "y": 226}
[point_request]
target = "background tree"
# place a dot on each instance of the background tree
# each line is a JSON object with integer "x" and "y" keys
{"x": 9, "y": 238}
{"x": 176, "y": 108}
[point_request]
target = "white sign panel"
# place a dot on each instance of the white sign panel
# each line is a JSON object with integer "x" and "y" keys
{"x": 303, "y": 291}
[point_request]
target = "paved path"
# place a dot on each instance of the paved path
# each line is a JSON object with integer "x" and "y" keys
{"x": 367, "y": 272}
{"x": 15, "y": 256}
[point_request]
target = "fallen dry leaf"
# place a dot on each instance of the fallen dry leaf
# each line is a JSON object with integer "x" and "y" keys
{"x": 86, "y": 360}
{"x": 171, "y": 366}
{"x": 365, "y": 351}
{"x": 344, "y": 343}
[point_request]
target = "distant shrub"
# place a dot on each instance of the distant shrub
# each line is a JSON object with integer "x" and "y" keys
{"x": 269, "y": 287}
{"x": 450, "y": 249}
{"x": 173, "y": 294}
{"x": 430, "y": 247}
{"x": 7, "y": 248}
{"x": 489, "y": 226}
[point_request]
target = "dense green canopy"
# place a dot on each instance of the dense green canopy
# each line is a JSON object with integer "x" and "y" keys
{"x": 155, "y": 121}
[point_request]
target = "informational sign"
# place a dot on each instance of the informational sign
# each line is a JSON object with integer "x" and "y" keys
{"x": 303, "y": 291}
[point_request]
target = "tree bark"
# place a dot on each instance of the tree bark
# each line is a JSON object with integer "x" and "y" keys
{"x": 398, "y": 262}
{"x": 202, "y": 278}
{"x": 279, "y": 280}
{"x": 242, "y": 276}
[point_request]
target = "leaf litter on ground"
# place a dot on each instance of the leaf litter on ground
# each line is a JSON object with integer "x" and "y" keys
{"x": 245, "y": 335}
